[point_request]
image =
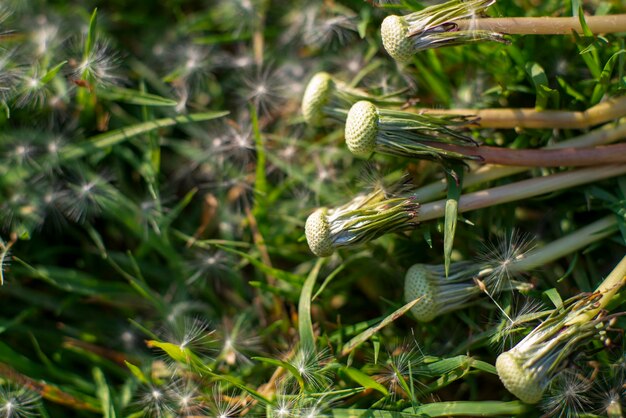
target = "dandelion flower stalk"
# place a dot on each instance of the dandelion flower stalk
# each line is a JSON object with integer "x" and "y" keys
{"x": 459, "y": 22}
{"x": 369, "y": 129}
{"x": 602, "y": 136}
{"x": 324, "y": 95}
{"x": 440, "y": 294}
{"x": 531, "y": 118}
{"x": 527, "y": 369}
{"x": 367, "y": 217}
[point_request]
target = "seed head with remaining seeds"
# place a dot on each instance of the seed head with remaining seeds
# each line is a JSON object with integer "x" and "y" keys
{"x": 393, "y": 132}
{"x": 364, "y": 218}
{"x": 433, "y": 27}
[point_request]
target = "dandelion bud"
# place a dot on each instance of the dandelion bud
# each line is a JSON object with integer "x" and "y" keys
{"x": 433, "y": 27}
{"x": 361, "y": 128}
{"x": 393, "y": 132}
{"x": 316, "y": 96}
{"x": 364, "y": 218}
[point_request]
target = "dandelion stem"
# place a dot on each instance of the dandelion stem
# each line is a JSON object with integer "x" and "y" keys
{"x": 608, "y": 288}
{"x": 604, "y": 135}
{"x": 521, "y": 190}
{"x": 563, "y": 157}
{"x": 509, "y": 118}
{"x": 545, "y": 25}
{"x": 566, "y": 245}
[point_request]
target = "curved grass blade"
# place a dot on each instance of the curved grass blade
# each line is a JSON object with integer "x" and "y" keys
{"x": 99, "y": 142}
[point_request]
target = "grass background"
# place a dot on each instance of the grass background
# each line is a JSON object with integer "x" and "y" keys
{"x": 192, "y": 234}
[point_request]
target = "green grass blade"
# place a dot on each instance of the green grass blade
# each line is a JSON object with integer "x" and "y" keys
{"x": 290, "y": 368}
{"x": 104, "y": 394}
{"x": 364, "y": 380}
{"x": 114, "y": 137}
{"x": 305, "y": 324}
{"x": 455, "y": 185}
{"x": 473, "y": 409}
{"x": 368, "y": 333}
{"x": 135, "y": 97}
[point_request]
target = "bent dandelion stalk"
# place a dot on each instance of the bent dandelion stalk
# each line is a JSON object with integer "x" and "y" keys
{"x": 527, "y": 369}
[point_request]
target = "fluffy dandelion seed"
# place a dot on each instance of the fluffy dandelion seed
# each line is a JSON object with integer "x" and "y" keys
{"x": 265, "y": 89}
{"x": 100, "y": 65}
{"x": 238, "y": 340}
{"x": 328, "y": 29}
{"x": 208, "y": 266}
{"x": 313, "y": 369}
{"x": 500, "y": 258}
{"x": 186, "y": 396}
{"x": 18, "y": 402}
{"x": 188, "y": 333}
{"x": 31, "y": 90}
{"x": 370, "y": 129}
{"x": 87, "y": 197}
{"x": 400, "y": 368}
{"x": 434, "y": 27}
{"x": 527, "y": 311}
{"x": 363, "y": 219}
{"x": 225, "y": 404}
{"x": 156, "y": 402}
{"x": 567, "y": 395}
{"x": 9, "y": 76}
